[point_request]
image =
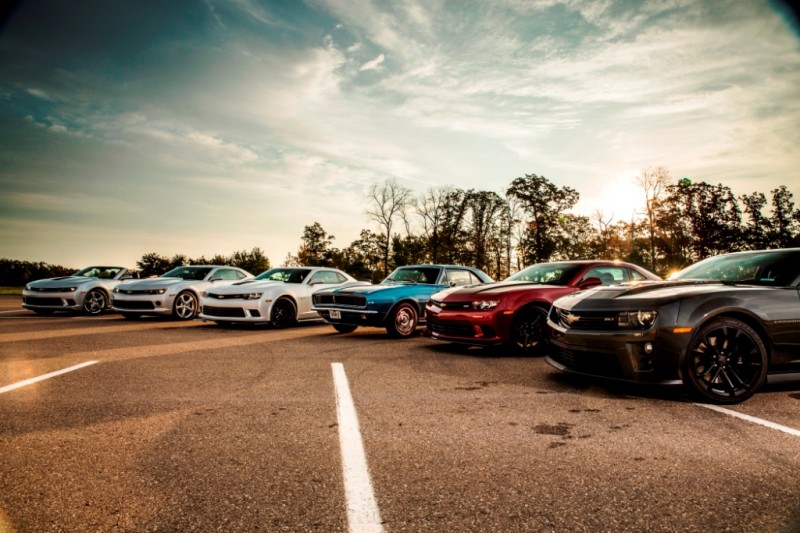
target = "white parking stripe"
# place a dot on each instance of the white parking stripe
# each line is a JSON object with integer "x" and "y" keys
{"x": 362, "y": 509}
{"x": 43, "y": 377}
{"x": 753, "y": 419}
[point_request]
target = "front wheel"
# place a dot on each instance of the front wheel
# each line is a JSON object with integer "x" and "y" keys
{"x": 283, "y": 314}
{"x": 403, "y": 321}
{"x": 95, "y": 302}
{"x": 344, "y": 328}
{"x": 529, "y": 331}
{"x": 185, "y": 307}
{"x": 726, "y": 362}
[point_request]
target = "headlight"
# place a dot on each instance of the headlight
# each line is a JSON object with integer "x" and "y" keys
{"x": 636, "y": 319}
{"x": 115, "y": 290}
{"x": 158, "y": 291}
{"x": 252, "y": 296}
{"x": 72, "y": 289}
{"x": 27, "y": 287}
{"x": 204, "y": 294}
{"x": 485, "y": 305}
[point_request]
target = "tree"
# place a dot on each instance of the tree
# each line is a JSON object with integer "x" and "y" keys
{"x": 362, "y": 258}
{"x": 153, "y": 264}
{"x": 652, "y": 181}
{"x": 784, "y": 219}
{"x": 544, "y": 203}
{"x": 253, "y": 261}
{"x": 316, "y": 249}
{"x": 484, "y": 230}
{"x": 757, "y": 230}
{"x": 390, "y": 199}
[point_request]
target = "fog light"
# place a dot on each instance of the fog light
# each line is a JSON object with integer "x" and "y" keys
{"x": 158, "y": 304}
{"x": 648, "y": 348}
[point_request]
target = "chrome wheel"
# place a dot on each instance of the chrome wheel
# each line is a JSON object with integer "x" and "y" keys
{"x": 283, "y": 314}
{"x": 403, "y": 321}
{"x": 185, "y": 307}
{"x": 726, "y": 362}
{"x": 95, "y": 302}
{"x": 529, "y": 331}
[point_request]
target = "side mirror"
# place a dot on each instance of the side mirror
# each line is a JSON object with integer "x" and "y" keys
{"x": 589, "y": 283}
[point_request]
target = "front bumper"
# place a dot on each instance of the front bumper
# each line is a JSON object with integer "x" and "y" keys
{"x": 146, "y": 305}
{"x": 351, "y": 317}
{"x": 54, "y": 301}
{"x": 233, "y": 311}
{"x": 633, "y": 356}
{"x": 479, "y": 328}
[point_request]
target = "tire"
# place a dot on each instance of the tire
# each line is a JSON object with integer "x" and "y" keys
{"x": 402, "y": 322}
{"x": 95, "y": 302}
{"x": 131, "y": 316}
{"x": 344, "y": 328}
{"x": 185, "y": 306}
{"x": 283, "y": 314}
{"x": 726, "y": 362}
{"x": 528, "y": 333}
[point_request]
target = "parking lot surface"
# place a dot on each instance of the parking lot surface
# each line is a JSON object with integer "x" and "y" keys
{"x": 164, "y": 426}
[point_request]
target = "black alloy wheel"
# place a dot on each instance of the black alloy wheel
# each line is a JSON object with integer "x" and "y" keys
{"x": 726, "y": 362}
{"x": 283, "y": 314}
{"x": 529, "y": 331}
{"x": 402, "y": 322}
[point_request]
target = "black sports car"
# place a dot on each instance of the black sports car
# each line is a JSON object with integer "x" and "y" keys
{"x": 723, "y": 327}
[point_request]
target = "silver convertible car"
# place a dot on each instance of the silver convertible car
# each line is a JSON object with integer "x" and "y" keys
{"x": 279, "y": 296}
{"x": 175, "y": 293}
{"x": 87, "y": 290}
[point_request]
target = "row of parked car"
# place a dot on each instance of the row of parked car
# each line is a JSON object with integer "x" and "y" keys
{"x": 722, "y": 327}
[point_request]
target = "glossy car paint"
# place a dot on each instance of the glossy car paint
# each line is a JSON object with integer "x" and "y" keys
{"x": 168, "y": 295}
{"x": 391, "y": 302}
{"x": 69, "y": 293}
{"x": 587, "y": 339}
{"x": 455, "y": 315}
{"x": 237, "y": 302}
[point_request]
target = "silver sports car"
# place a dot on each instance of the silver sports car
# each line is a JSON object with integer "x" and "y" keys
{"x": 174, "y": 293}
{"x": 279, "y": 296}
{"x": 88, "y": 290}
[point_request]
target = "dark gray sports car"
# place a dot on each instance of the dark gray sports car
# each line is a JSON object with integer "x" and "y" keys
{"x": 722, "y": 327}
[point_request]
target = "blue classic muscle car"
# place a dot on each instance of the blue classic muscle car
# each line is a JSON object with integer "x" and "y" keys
{"x": 397, "y": 303}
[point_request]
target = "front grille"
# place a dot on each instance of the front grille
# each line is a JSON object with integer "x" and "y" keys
{"x": 50, "y": 302}
{"x": 453, "y": 306}
{"x": 594, "y": 320}
{"x": 134, "y": 305}
{"x": 350, "y": 300}
{"x": 599, "y": 364}
{"x": 227, "y": 312}
{"x": 453, "y": 329}
{"x": 49, "y": 289}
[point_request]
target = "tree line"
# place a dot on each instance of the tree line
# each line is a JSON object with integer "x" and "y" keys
{"x": 680, "y": 222}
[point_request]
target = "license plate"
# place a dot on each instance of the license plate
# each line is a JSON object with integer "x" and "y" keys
{"x": 336, "y": 315}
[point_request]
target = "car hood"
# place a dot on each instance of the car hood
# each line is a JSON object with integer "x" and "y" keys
{"x": 366, "y": 290}
{"x": 154, "y": 283}
{"x": 247, "y": 285}
{"x": 498, "y": 288}
{"x": 648, "y": 293}
{"x": 64, "y": 281}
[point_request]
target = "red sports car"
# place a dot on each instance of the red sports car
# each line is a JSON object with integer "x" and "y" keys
{"x": 513, "y": 312}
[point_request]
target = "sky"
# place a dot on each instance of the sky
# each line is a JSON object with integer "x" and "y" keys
{"x": 206, "y": 127}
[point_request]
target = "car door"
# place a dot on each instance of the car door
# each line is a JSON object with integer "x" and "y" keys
{"x": 318, "y": 281}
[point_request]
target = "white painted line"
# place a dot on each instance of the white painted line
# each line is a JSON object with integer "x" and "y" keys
{"x": 43, "y": 377}
{"x": 362, "y": 509}
{"x": 753, "y": 419}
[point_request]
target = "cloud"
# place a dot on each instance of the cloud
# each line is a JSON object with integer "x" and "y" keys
{"x": 374, "y": 64}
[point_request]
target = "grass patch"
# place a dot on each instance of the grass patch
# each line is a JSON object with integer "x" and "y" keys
{"x": 11, "y": 290}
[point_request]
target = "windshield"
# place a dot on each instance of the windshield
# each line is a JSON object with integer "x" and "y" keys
{"x": 188, "y": 273}
{"x": 427, "y": 275}
{"x": 287, "y": 275}
{"x": 98, "y": 272}
{"x": 549, "y": 273}
{"x": 777, "y": 269}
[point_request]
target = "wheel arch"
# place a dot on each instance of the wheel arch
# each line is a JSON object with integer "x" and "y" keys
{"x": 420, "y": 308}
{"x": 285, "y": 296}
{"x": 739, "y": 314}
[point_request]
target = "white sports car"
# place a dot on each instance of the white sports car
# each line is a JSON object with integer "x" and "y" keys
{"x": 88, "y": 290}
{"x": 280, "y": 296}
{"x": 174, "y": 293}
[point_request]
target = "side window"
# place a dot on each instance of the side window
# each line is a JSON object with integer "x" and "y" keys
{"x": 325, "y": 276}
{"x": 635, "y": 276}
{"x": 226, "y": 273}
{"x": 610, "y": 275}
{"x": 459, "y": 277}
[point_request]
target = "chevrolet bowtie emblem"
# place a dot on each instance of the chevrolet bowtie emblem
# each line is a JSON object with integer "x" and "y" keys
{"x": 571, "y": 319}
